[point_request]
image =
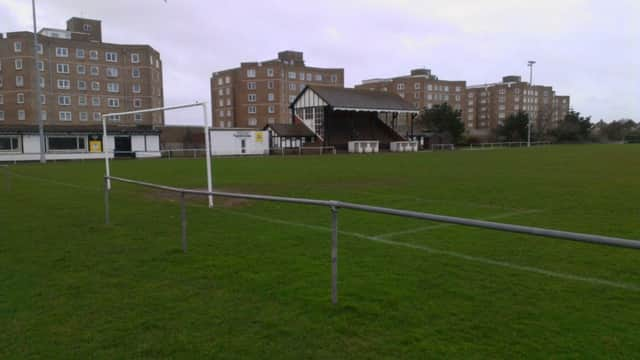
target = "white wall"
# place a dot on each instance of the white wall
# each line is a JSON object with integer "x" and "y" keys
{"x": 31, "y": 144}
{"x": 137, "y": 143}
{"x": 229, "y": 142}
{"x": 153, "y": 142}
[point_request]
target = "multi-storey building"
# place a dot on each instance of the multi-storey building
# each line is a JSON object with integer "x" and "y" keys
{"x": 81, "y": 77}
{"x": 488, "y": 105}
{"x": 422, "y": 89}
{"x": 259, "y": 93}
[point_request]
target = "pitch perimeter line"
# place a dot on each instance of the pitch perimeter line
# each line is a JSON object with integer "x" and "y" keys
{"x": 440, "y": 226}
{"x": 477, "y": 259}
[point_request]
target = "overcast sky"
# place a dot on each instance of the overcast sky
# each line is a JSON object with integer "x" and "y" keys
{"x": 589, "y": 50}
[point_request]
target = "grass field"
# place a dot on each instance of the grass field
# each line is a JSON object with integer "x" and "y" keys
{"x": 256, "y": 280}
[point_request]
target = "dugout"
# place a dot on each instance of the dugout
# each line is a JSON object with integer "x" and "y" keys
{"x": 338, "y": 116}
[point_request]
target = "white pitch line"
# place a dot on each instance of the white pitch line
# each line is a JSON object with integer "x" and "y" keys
{"x": 477, "y": 259}
{"x": 440, "y": 226}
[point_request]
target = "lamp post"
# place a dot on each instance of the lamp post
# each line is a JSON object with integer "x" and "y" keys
{"x": 531, "y": 91}
{"x": 36, "y": 83}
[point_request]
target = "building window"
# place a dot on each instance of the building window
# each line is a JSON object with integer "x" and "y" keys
{"x": 97, "y": 116}
{"x": 66, "y": 143}
{"x": 272, "y": 109}
{"x": 252, "y": 109}
{"x": 334, "y": 78}
{"x": 400, "y": 86}
{"x": 251, "y": 73}
{"x": 269, "y": 72}
{"x": 227, "y": 80}
{"x": 19, "y": 81}
{"x": 95, "y": 70}
{"x": 228, "y": 102}
{"x": 227, "y": 91}
{"x": 21, "y": 115}
{"x": 64, "y": 84}
{"x": 113, "y": 102}
{"x": 62, "y": 68}
{"x": 252, "y": 122}
{"x": 81, "y": 69}
{"x": 135, "y": 73}
{"x": 112, "y": 72}
{"x": 17, "y": 46}
{"x": 19, "y": 98}
{"x": 80, "y": 53}
{"x": 318, "y": 77}
{"x": 41, "y": 65}
{"x": 137, "y": 117}
{"x": 292, "y": 75}
{"x": 18, "y": 63}
{"x": 8, "y": 143}
{"x": 84, "y": 116}
{"x": 458, "y": 88}
{"x": 292, "y": 98}
{"x": 93, "y": 54}
{"x": 113, "y": 87}
{"x": 82, "y": 85}
{"x": 1, "y": 99}
{"x": 251, "y": 85}
{"x": 220, "y": 92}
{"x": 62, "y": 116}
{"x": 137, "y": 103}
{"x": 41, "y": 80}
{"x": 135, "y": 88}
{"x": 293, "y": 87}
{"x": 40, "y": 49}
{"x": 82, "y": 100}
{"x": 95, "y": 101}
{"x": 64, "y": 100}
{"x": 270, "y": 84}
{"x": 252, "y": 97}
{"x": 62, "y": 52}
{"x": 111, "y": 56}
{"x": 221, "y": 113}
{"x": 43, "y": 99}
{"x": 1, "y": 119}
{"x": 416, "y": 86}
{"x": 95, "y": 86}
{"x": 135, "y": 58}
{"x": 270, "y": 97}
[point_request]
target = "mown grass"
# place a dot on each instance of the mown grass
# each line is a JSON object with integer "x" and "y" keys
{"x": 255, "y": 281}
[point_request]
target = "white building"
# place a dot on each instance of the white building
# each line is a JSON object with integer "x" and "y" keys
{"x": 237, "y": 141}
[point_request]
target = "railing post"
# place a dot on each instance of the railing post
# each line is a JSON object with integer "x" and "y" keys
{"x": 106, "y": 200}
{"x": 183, "y": 216}
{"x": 334, "y": 255}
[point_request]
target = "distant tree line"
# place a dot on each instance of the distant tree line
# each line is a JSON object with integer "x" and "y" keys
{"x": 446, "y": 126}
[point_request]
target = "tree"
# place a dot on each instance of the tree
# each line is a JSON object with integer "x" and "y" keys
{"x": 573, "y": 128}
{"x": 515, "y": 127}
{"x": 444, "y": 121}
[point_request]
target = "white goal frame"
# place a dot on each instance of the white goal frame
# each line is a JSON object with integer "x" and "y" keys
{"x": 166, "y": 108}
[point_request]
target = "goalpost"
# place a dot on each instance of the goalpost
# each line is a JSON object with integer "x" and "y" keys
{"x": 166, "y": 108}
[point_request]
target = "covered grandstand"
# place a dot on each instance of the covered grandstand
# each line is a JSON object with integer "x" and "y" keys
{"x": 338, "y": 116}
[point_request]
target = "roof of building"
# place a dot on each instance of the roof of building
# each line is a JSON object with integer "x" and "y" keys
{"x": 359, "y": 100}
{"x": 290, "y": 130}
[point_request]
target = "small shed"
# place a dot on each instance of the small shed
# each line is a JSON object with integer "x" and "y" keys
{"x": 287, "y": 136}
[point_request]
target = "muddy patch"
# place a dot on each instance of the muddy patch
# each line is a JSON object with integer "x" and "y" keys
{"x": 225, "y": 202}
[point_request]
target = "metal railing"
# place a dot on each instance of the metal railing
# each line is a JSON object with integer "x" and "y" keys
{"x": 492, "y": 145}
{"x": 334, "y": 206}
{"x": 183, "y": 153}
